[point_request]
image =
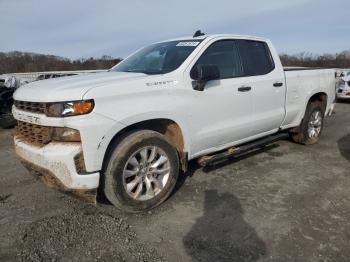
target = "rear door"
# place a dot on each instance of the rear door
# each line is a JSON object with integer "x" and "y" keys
{"x": 268, "y": 85}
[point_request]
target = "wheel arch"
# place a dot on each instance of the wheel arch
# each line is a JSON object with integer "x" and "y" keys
{"x": 170, "y": 129}
{"x": 300, "y": 133}
{"x": 320, "y": 97}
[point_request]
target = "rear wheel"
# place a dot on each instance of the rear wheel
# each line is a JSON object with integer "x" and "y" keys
{"x": 310, "y": 129}
{"x": 141, "y": 172}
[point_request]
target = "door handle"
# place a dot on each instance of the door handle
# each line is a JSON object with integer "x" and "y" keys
{"x": 278, "y": 84}
{"x": 244, "y": 89}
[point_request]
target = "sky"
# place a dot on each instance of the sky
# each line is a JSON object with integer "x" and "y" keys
{"x": 91, "y": 28}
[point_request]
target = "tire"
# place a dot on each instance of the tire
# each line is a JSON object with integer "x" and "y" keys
{"x": 122, "y": 171}
{"x": 7, "y": 121}
{"x": 310, "y": 129}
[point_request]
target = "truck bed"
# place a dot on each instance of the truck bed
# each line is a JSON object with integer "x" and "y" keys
{"x": 301, "y": 82}
{"x": 296, "y": 68}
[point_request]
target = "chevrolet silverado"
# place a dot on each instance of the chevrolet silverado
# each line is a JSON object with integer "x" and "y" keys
{"x": 132, "y": 130}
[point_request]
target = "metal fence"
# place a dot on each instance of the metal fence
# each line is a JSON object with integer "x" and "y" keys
{"x": 31, "y": 76}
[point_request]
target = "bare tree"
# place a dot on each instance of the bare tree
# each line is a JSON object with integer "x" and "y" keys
{"x": 341, "y": 60}
{"x": 20, "y": 62}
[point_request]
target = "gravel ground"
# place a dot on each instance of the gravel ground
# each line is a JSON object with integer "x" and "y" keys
{"x": 92, "y": 236}
{"x": 285, "y": 203}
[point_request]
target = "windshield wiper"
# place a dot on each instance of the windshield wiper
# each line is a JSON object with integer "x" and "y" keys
{"x": 133, "y": 71}
{"x": 144, "y": 72}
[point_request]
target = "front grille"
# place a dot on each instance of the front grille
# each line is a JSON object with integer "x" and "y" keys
{"x": 33, "y": 107}
{"x": 34, "y": 134}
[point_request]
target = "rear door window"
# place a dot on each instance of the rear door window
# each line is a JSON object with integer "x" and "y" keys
{"x": 256, "y": 57}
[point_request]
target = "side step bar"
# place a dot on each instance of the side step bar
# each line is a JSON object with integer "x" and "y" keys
{"x": 238, "y": 151}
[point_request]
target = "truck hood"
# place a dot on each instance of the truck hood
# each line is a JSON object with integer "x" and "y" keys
{"x": 71, "y": 88}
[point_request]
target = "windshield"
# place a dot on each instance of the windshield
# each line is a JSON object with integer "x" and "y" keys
{"x": 158, "y": 58}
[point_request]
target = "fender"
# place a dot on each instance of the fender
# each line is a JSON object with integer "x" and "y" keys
{"x": 147, "y": 116}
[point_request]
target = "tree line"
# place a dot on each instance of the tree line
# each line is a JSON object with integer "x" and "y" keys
{"x": 340, "y": 60}
{"x": 21, "y": 62}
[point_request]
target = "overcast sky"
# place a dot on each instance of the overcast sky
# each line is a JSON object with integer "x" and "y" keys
{"x": 84, "y": 28}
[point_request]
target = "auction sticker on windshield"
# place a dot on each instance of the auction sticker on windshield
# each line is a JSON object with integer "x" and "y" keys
{"x": 192, "y": 43}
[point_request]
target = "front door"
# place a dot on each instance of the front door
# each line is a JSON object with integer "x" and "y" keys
{"x": 222, "y": 113}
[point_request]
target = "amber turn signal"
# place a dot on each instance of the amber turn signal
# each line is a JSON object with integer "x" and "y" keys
{"x": 83, "y": 107}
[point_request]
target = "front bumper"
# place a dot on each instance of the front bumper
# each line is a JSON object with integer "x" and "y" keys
{"x": 55, "y": 164}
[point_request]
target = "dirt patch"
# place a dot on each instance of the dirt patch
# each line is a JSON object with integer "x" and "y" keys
{"x": 82, "y": 237}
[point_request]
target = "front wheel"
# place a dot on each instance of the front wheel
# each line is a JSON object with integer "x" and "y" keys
{"x": 142, "y": 171}
{"x": 310, "y": 129}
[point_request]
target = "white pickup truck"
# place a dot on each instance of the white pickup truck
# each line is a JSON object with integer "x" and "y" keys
{"x": 130, "y": 131}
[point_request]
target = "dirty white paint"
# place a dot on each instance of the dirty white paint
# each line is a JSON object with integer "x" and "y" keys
{"x": 58, "y": 158}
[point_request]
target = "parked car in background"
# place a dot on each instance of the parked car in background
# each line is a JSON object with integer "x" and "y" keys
{"x": 6, "y": 101}
{"x": 2, "y": 81}
{"x": 50, "y": 75}
{"x": 132, "y": 129}
{"x": 345, "y": 73}
{"x": 343, "y": 89}
{"x": 8, "y": 85}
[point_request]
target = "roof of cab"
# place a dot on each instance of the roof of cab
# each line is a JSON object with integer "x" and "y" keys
{"x": 202, "y": 37}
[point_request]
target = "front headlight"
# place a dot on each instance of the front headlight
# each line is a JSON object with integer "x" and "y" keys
{"x": 74, "y": 108}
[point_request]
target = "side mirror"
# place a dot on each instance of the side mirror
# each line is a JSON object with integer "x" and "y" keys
{"x": 202, "y": 74}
